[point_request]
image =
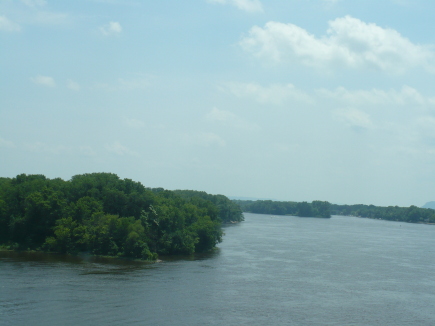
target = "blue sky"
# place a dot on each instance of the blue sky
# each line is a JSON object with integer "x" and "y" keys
{"x": 290, "y": 100}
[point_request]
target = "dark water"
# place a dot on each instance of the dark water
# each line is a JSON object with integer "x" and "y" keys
{"x": 268, "y": 271}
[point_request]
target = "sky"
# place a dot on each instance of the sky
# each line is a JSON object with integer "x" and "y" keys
{"x": 293, "y": 100}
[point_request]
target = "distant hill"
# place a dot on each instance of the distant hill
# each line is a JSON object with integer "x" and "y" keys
{"x": 430, "y": 204}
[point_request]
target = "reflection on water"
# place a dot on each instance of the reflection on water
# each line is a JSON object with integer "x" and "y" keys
{"x": 269, "y": 270}
{"x": 85, "y": 262}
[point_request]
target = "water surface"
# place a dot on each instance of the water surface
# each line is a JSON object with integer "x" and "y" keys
{"x": 269, "y": 270}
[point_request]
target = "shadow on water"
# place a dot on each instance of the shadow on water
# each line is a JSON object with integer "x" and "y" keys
{"x": 86, "y": 263}
{"x": 31, "y": 256}
{"x": 91, "y": 264}
{"x": 231, "y": 225}
{"x": 198, "y": 256}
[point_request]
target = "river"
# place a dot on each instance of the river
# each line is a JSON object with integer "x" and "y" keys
{"x": 269, "y": 270}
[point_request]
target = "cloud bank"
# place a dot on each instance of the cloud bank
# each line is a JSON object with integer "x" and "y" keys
{"x": 348, "y": 42}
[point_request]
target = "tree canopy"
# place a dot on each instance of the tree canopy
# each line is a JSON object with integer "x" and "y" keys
{"x": 412, "y": 214}
{"x": 105, "y": 215}
{"x": 316, "y": 208}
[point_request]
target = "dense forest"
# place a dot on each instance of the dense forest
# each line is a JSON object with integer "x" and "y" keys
{"x": 412, "y": 214}
{"x": 105, "y": 215}
{"x": 303, "y": 209}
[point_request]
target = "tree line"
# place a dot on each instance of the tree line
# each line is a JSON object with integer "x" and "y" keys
{"x": 105, "y": 215}
{"x": 412, "y": 214}
{"x": 316, "y": 208}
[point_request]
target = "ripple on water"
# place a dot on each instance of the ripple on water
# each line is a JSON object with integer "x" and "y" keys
{"x": 268, "y": 271}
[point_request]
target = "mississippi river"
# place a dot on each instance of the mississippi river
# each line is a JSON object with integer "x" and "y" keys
{"x": 269, "y": 270}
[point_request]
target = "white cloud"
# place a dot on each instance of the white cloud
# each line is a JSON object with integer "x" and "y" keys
{"x": 275, "y": 93}
{"x": 348, "y": 42}
{"x": 405, "y": 96}
{"x": 119, "y": 149}
{"x": 72, "y": 85}
{"x": 279, "y": 94}
{"x": 6, "y": 143}
{"x": 8, "y": 25}
{"x": 354, "y": 118}
{"x": 44, "y": 81}
{"x": 111, "y": 29}
{"x": 245, "y": 5}
{"x": 229, "y": 119}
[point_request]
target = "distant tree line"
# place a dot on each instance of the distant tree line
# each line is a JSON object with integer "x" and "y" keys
{"x": 105, "y": 215}
{"x": 316, "y": 208}
{"x": 412, "y": 214}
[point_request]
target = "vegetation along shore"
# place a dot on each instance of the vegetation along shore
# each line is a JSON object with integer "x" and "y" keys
{"x": 101, "y": 214}
{"x": 105, "y": 215}
{"x": 412, "y": 214}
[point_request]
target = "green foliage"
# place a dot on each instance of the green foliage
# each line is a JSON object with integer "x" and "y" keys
{"x": 321, "y": 208}
{"x": 227, "y": 210}
{"x": 4, "y": 219}
{"x": 84, "y": 208}
{"x": 324, "y": 209}
{"x": 105, "y": 215}
{"x": 41, "y": 210}
{"x": 209, "y": 233}
{"x": 411, "y": 214}
{"x": 303, "y": 209}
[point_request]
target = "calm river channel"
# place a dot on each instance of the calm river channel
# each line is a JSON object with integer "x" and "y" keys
{"x": 269, "y": 270}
